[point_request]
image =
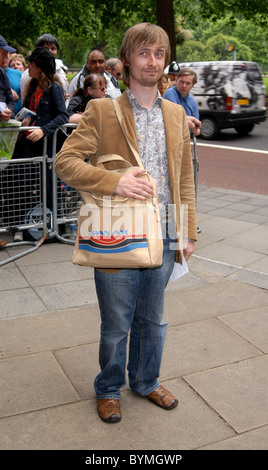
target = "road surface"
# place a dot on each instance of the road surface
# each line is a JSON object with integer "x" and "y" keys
{"x": 234, "y": 162}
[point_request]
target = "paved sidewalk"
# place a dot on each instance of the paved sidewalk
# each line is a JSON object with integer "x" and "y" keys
{"x": 215, "y": 358}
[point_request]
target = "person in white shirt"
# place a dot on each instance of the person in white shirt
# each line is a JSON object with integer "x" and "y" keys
{"x": 96, "y": 63}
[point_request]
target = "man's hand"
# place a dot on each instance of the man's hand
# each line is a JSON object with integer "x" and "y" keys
{"x": 188, "y": 250}
{"x": 194, "y": 125}
{"x": 6, "y": 115}
{"x": 130, "y": 185}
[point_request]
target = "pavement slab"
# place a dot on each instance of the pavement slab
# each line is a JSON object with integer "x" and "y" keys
{"x": 237, "y": 391}
{"x": 77, "y": 426}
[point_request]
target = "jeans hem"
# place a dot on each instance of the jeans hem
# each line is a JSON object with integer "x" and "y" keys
{"x": 108, "y": 397}
{"x": 148, "y": 390}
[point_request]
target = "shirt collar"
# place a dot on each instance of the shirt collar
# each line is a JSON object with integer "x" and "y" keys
{"x": 183, "y": 98}
{"x": 134, "y": 102}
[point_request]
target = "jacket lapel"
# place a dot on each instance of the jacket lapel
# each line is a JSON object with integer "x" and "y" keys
{"x": 173, "y": 131}
{"x": 128, "y": 121}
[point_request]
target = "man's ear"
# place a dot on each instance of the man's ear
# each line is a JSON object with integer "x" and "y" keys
{"x": 125, "y": 62}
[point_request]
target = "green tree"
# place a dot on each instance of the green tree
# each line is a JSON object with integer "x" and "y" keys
{"x": 38, "y": 17}
{"x": 215, "y": 48}
{"x": 255, "y": 37}
{"x": 24, "y": 14}
{"x": 22, "y": 21}
{"x": 191, "y": 51}
{"x": 246, "y": 32}
{"x": 253, "y": 10}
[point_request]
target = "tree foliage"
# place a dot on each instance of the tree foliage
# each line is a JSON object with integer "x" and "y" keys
{"x": 81, "y": 24}
{"x": 253, "y": 10}
{"x": 24, "y": 20}
{"x": 248, "y": 38}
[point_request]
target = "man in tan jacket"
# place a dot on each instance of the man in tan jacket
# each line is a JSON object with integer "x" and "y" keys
{"x": 132, "y": 299}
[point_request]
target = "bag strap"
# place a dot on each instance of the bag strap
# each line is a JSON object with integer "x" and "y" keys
{"x": 120, "y": 117}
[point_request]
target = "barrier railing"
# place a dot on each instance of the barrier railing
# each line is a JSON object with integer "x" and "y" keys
{"x": 23, "y": 200}
{"x": 195, "y": 162}
{"x": 66, "y": 200}
{"x": 195, "y": 168}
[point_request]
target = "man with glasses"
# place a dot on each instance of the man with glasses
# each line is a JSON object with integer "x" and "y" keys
{"x": 114, "y": 66}
{"x": 180, "y": 94}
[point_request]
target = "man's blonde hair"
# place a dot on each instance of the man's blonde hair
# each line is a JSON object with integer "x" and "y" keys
{"x": 142, "y": 33}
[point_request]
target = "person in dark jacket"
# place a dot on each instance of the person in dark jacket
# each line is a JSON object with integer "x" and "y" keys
{"x": 45, "y": 97}
{"x": 6, "y": 112}
{"x": 6, "y": 97}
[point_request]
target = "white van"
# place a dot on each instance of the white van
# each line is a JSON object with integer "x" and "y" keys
{"x": 229, "y": 94}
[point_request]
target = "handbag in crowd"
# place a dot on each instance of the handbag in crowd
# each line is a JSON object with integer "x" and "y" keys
{"x": 118, "y": 232}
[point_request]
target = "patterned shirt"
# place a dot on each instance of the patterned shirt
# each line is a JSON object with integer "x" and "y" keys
{"x": 152, "y": 144}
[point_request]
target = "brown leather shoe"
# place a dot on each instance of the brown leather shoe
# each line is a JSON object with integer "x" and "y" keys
{"x": 162, "y": 397}
{"x": 109, "y": 410}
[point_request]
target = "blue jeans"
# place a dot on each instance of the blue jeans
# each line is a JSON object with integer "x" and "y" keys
{"x": 132, "y": 299}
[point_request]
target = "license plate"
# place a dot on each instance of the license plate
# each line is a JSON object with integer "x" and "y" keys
{"x": 244, "y": 102}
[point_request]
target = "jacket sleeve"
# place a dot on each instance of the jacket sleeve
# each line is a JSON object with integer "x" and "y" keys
{"x": 58, "y": 110}
{"x": 73, "y": 105}
{"x": 7, "y": 91}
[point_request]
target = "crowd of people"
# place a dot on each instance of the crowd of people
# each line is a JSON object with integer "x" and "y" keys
{"x": 43, "y": 88}
{"x": 100, "y": 76}
{"x": 19, "y": 77}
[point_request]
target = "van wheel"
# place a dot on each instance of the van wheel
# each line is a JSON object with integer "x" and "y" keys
{"x": 209, "y": 129}
{"x": 244, "y": 129}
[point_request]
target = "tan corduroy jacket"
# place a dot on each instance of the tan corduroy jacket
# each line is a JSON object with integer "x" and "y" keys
{"x": 99, "y": 133}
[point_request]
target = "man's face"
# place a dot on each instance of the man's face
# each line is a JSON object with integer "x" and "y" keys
{"x": 184, "y": 84}
{"x": 4, "y": 58}
{"x": 117, "y": 71}
{"x": 52, "y": 48}
{"x": 146, "y": 65}
{"x": 96, "y": 62}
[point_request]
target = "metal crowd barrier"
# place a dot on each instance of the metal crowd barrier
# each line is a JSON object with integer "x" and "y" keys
{"x": 195, "y": 168}
{"x": 23, "y": 200}
{"x": 23, "y": 189}
{"x": 66, "y": 200}
{"x": 195, "y": 163}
